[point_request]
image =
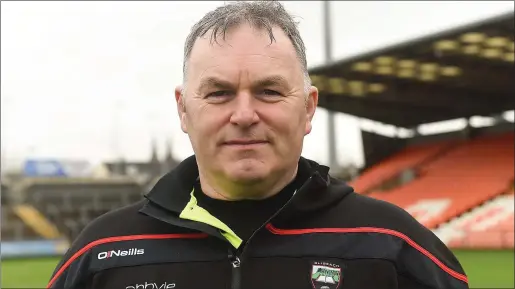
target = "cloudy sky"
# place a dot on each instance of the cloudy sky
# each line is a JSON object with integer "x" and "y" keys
{"x": 94, "y": 80}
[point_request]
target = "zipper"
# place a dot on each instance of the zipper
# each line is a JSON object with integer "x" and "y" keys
{"x": 236, "y": 259}
{"x": 274, "y": 215}
{"x": 236, "y": 271}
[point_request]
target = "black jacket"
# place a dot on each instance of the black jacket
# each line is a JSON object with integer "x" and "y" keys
{"x": 326, "y": 236}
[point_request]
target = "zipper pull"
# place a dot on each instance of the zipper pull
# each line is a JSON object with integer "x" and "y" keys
{"x": 236, "y": 263}
{"x": 236, "y": 274}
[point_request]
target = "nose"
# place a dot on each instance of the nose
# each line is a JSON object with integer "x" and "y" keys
{"x": 244, "y": 113}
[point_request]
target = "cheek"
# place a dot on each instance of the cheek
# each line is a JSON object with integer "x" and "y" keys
{"x": 289, "y": 126}
{"x": 204, "y": 123}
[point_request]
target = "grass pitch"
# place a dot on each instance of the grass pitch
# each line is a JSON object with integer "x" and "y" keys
{"x": 27, "y": 273}
{"x": 485, "y": 269}
{"x": 488, "y": 269}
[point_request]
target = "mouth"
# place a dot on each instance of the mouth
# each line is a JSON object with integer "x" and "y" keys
{"x": 244, "y": 143}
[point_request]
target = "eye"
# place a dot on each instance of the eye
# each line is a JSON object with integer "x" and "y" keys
{"x": 270, "y": 92}
{"x": 218, "y": 93}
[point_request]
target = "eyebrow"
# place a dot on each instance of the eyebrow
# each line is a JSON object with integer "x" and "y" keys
{"x": 273, "y": 80}
{"x": 214, "y": 82}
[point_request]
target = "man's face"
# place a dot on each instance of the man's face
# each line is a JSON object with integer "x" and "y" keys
{"x": 245, "y": 107}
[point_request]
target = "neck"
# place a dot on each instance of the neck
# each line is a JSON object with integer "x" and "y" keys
{"x": 232, "y": 191}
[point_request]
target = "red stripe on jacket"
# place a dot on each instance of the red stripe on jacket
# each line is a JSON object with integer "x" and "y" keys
{"x": 412, "y": 243}
{"x": 119, "y": 239}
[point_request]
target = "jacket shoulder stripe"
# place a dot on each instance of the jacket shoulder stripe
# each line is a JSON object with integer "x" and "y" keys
{"x": 412, "y": 243}
{"x": 119, "y": 239}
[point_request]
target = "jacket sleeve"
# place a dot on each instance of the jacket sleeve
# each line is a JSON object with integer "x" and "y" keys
{"x": 72, "y": 272}
{"x": 425, "y": 261}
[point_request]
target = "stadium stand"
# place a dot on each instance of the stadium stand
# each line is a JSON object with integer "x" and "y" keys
{"x": 460, "y": 74}
{"x": 34, "y": 219}
{"x": 14, "y": 228}
{"x": 463, "y": 178}
{"x": 490, "y": 226}
{"x": 409, "y": 158}
{"x": 70, "y": 204}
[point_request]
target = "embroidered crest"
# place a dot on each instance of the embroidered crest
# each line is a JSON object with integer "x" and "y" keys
{"x": 325, "y": 275}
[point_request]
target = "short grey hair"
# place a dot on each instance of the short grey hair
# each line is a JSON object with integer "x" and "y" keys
{"x": 259, "y": 14}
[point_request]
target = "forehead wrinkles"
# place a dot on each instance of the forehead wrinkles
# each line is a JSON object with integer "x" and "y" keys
{"x": 242, "y": 68}
{"x": 237, "y": 59}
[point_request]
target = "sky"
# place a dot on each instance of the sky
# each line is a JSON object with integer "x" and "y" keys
{"x": 95, "y": 80}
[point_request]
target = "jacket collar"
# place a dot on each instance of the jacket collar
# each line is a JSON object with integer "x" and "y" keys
{"x": 172, "y": 191}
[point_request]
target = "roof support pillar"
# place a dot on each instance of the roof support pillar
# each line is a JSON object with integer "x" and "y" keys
{"x": 331, "y": 126}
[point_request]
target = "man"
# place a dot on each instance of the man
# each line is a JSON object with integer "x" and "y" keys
{"x": 247, "y": 211}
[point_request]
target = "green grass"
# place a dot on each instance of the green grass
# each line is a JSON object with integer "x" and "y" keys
{"x": 485, "y": 269}
{"x": 27, "y": 273}
{"x": 488, "y": 269}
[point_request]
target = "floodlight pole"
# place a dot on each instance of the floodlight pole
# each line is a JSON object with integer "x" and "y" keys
{"x": 115, "y": 134}
{"x": 333, "y": 162}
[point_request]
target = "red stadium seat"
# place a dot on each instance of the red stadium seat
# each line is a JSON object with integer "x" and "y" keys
{"x": 411, "y": 157}
{"x": 487, "y": 226}
{"x": 458, "y": 181}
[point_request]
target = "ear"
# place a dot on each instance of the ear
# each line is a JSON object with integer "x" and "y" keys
{"x": 181, "y": 107}
{"x": 311, "y": 105}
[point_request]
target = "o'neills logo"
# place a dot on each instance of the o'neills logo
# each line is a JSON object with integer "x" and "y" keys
{"x": 120, "y": 253}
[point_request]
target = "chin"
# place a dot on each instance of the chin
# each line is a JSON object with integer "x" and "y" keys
{"x": 247, "y": 170}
